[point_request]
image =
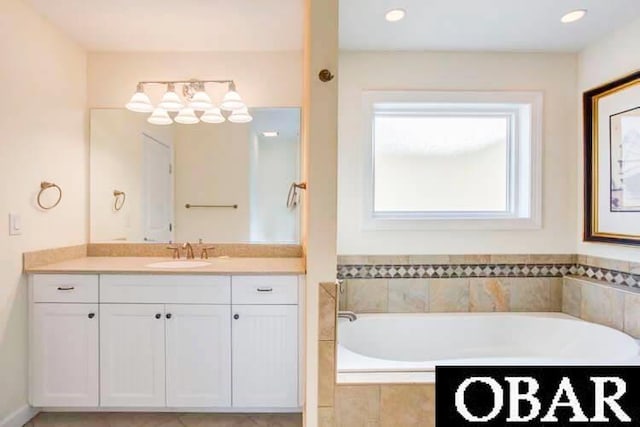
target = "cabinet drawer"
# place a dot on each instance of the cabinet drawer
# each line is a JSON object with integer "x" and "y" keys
{"x": 264, "y": 290}
{"x": 165, "y": 289}
{"x": 65, "y": 288}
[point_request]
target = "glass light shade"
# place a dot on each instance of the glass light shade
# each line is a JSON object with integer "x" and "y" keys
{"x": 212, "y": 115}
{"x": 200, "y": 101}
{"x": 171, "y": 101}
{"x": 240, "y": 116}
{"x": 140, "y": 103}
{"x": 160, "y": 117}
{"x": 232, "y": 101}
{"x": 187, "y": 116}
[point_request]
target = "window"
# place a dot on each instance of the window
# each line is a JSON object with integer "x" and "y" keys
{"x": 453, "y": 160}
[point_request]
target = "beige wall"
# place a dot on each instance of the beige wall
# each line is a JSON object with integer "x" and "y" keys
{"x": 553, "y": 74}
{"x": 43, "y": 79}
{"x": 264, "y": 79}
{"x": 609, "y": 59}
{"x": 319, "y": 170}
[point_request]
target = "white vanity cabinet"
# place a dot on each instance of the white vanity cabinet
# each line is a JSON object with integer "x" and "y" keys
{"x": 64, "y": 351}
{"x": 165, "y": 341}
{"x": 132, "y": 355}
{"x": 156, "y": 353}
{"x": 198, "y": 349}
{"x": 64, "y": 341}
{"x": 265, "y": 341}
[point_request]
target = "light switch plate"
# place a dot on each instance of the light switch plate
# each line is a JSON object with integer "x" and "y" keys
{"x": 15, "y": 224}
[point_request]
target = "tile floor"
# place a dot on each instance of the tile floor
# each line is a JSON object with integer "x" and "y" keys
{"x": 119, "y": 419}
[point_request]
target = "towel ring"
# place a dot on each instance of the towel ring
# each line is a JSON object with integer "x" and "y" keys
{"x": 292, "y": 197}
{"x": 45, "y": 186}
{"x": 117, "y": 194}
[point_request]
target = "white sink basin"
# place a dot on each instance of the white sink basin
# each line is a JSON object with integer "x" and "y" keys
{"x": 178, "y": 264}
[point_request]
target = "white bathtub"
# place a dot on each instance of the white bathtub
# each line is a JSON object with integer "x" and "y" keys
{"x": 408, "y": 347}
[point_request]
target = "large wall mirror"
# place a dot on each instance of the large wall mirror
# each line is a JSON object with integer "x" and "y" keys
{"x": 225, "y": 182}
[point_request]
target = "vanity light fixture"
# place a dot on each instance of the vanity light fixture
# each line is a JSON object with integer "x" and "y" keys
{"x": 232, "y": 100}
{"x": 270, "y": 133}
{"x": 160, "y": 117}
{"x": 240, "y": 116}
{"x": 573, "y": 16}
{"x": 213, "y": 115}
{"x": 395, "y": 15}
{"x": 199, "y": 106}
{"x": 170, "y": 100}
{"x": 140, "y": 102}
{"x": 187, "y": 116}
{"x": 200, "y": 101}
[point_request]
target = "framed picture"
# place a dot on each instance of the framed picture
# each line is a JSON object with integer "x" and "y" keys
{"x": 612, "y": 162}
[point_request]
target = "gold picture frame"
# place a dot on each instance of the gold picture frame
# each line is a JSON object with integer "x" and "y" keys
{"x": 612, "y": 162}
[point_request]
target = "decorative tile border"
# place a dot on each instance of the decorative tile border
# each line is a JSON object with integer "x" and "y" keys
{"x": 453, "y": 271}
{"x": 613, "y": 277}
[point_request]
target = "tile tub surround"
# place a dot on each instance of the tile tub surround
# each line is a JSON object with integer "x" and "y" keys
{"x": 480, "y": 283}
{"x": 385, "y": 405}
{"x": 359, "y": 405}
{"x": 414, "y": 404}
{"x": 454, "y": 266}
{"x": 610, "y": 305}
{"x": 328, "y": 294}
{"x": 541, "y": 294}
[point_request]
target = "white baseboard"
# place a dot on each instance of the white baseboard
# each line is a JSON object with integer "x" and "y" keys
{"x": 19, "y": 417}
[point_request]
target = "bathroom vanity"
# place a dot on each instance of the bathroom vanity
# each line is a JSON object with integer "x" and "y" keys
{"x": 111, "y": 333}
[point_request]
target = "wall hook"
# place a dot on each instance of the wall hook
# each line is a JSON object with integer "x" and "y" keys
{"x": 325, "y": 76}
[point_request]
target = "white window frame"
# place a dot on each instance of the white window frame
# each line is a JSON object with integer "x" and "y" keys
{"x": 524, "y": 183}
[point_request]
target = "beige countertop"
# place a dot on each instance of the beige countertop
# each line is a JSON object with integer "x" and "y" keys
{"x": 139, "y": 265}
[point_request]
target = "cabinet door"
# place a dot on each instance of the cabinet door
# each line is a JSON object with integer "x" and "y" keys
{"x": 64, "y": 355}
{"x": 265, "y": 356}
{"x": 198, "y": 341}
{"x": 132, "y": 358}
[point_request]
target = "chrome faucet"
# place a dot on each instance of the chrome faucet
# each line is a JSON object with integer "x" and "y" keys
{"x": 189, "y": 249}
{"x": 348, "y": 315}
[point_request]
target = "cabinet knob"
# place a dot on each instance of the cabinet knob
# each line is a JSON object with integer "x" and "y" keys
{"x": 169, "y": 315}
{"x": 236, "y": 316}
{"x": 158, "y": 316}
{"x": 91, "y": 315}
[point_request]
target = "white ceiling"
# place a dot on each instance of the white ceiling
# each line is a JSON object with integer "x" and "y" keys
{"x": 480, "y": 25}
{"x": 255, "y": 25}
{"x": 179, "y": 25}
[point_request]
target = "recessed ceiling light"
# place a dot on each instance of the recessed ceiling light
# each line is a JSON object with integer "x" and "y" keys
{"x": 395, "y": 15}
{"x": 270, "y": 133}
{"x": 573, "y": 16}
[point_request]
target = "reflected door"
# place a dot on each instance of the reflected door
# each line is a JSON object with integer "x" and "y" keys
{"x": 157, "y": 190}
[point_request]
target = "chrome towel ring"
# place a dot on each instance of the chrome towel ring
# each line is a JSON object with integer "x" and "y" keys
{"x": 45, "y": 186}
{"x": 120, "y": 199}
